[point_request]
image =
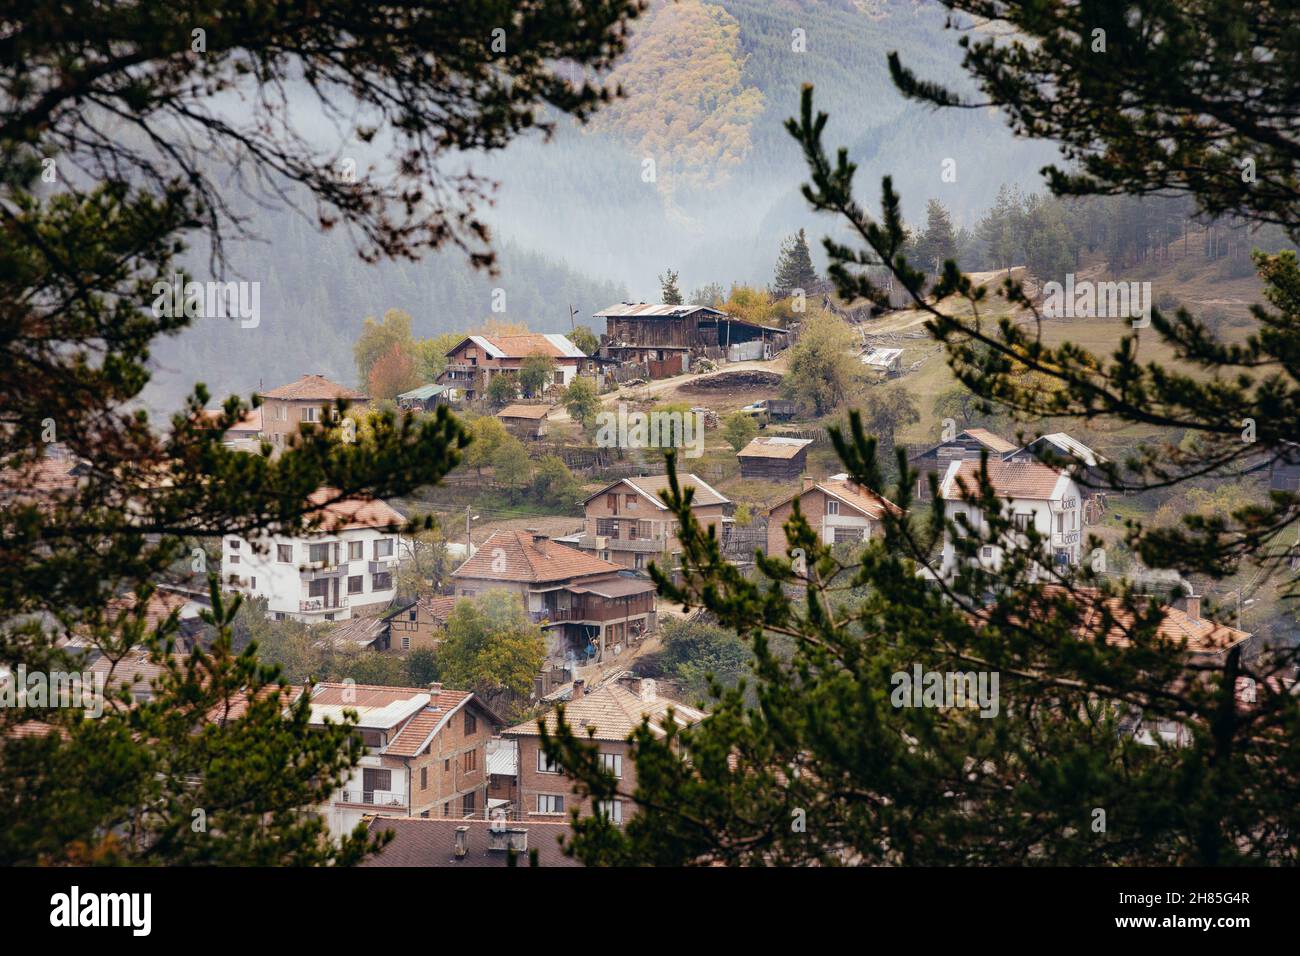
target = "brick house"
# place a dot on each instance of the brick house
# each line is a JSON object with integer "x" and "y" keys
{"x": 586, "y": 606}
{"x": 473, "y": 362}
{"x": 966, "y": 446}
{"x": 426, "y": 751}
{"x": 628, "y": 524}
{"x": 302, "y": 401}
{"x": 838, "y": 510}
{"x": 419, "y": 624}
{"x": 610, "y": 714}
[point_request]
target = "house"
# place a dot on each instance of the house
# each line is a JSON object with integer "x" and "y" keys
{"x": 244, "y": 435}
{"x": 342, "y": 568}
{"x": 473, "y": 362}
{"x": 525, "y": 422}
{"x": 888, "y": 361}
{"x": 1206, "y": 643}
{"x": 587, "y": 607}
{"x": 1060, "y": 450}
{"x": 607, "y": 716}
{"x": 418, "y": 625}
{"x": 838, "y": 510}
{"x": 966, "y": 446}
{"x": 627, "y": 523}
{"x": 425, "y": 398}
{"x": 470, "y": 843}
{"x": 426, "y": 751}
{"x": 305, "y": 400}
{"x": 368, "y": 633}
{"x": 774, "y": 459}
{"x": 1036, "y": 496}
{"x": 666, "y": 337}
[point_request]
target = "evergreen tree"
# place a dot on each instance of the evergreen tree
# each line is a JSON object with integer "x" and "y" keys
{"x": 938, "y": 243}
{"x": 794, "y": 267}
{"x": 669, "y": 293}
{"x": 97, "y": 502}
{"x": 834, "y": 764}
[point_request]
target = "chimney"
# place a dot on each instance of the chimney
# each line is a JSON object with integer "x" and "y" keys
{"x": 578, "y": 685}
{"x": 435, "y": 688}
{"x": 1193, "y": 606}
{"x": 462, "y": 842}
{"x": 808, "y": 482}
{"x": 649, "y": 694}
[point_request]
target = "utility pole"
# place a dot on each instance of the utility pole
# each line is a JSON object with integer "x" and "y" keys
{"x": 469, "y": 542}
{"x": 573, "y": 327}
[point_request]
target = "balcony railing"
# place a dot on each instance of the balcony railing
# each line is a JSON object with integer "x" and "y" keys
{"x": 380, "y": 565}
{"x": 322, "y": 604}
{"x": 373, "y": 798}
{"x": 314, "y": 571}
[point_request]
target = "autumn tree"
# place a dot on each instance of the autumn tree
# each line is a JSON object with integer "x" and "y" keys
{"x": 739, "y": 430}
{"x": 493, "y": 648}
{"x": 581, "y": 400}
{"x": 392, "y": 374}
{"x": 585, "y": 339}
{"x": 822, "y": 369}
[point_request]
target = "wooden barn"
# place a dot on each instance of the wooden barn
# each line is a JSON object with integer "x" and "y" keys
{"x": 639, "y": 332}
{"x": 774, "y": 459}
{"x": 966, "y": 446}
{"x": 525, "y": 422}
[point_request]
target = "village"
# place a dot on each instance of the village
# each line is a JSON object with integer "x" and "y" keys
{"x": 457, "y": 772}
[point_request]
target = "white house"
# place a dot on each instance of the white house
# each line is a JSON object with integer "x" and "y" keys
{"x": 1037, "y": 496}
{"x": 342, "y": 569}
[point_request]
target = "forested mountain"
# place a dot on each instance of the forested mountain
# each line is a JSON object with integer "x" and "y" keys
{"x": 577, "y": 220}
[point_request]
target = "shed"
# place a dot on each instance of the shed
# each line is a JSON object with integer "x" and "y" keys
{"x": 774, "y": 459}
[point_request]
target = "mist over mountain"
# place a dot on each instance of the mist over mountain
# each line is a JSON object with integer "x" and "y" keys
{"x": 578, "y": 221}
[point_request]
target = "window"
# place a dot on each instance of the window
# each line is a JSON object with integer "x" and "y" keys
{"x": 356, "y": 550}
{"x": 1060, "y": 522}
{"x": 471, "y": 723}
{"x": 406, "y": 643}
{"x": 545, "y": 765}
{"x": 470, "y": 762}
{"x": 284, "y": 553}
{"x": 356, "y": 583}
{"x": 234, "y": 544}
{"x": 318, "y": 553}
{"x": 253, "y": 583}
{"x": 550, "y": 803}
{"x": 1022, "y": 520}
{"x": 467, "y": 804}
{"x": 424, "y": 778}
{"x": 311, "y": 414}
{"x": 987, "y": 551}
{"x": 607, "y": 527}
{"x": 848, "y": 534}
{"x": 414, "y": 615}
{"x": 832, "y": 507}
{"x": 611, "y": 502}
{"x": 611, "y": 809}
{"x": 631, "y": 502}
{"x": 644, "y": 530}
{"x": 641, "y": 561}
{"x": 446, "y": 765}
{"x": 372, "y": 780}
{"x": 381, "y": 581}
{"x": 612, "y": 764}
{"x": 234, "y": 559}
{"x": 318, "y": 588}
{"x": 383, "y": 548}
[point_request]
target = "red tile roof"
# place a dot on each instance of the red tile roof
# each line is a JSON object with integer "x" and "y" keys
{"x": 1010, "y": 479}
{"x": 858, "y": 497}
{"x": 519, "y": 556}
{"x": 346, "y": 513}
{"x": 432, "y": 842}
{"x": 315, "y": 388}
{"x": 612, "y": 712}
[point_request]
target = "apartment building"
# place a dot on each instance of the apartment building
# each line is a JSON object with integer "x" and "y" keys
{"x": 609, "y": 714}
{"x": 627, "y": 524}
{"x": 341, "y": 569}
{"x": 426, "y": 752}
